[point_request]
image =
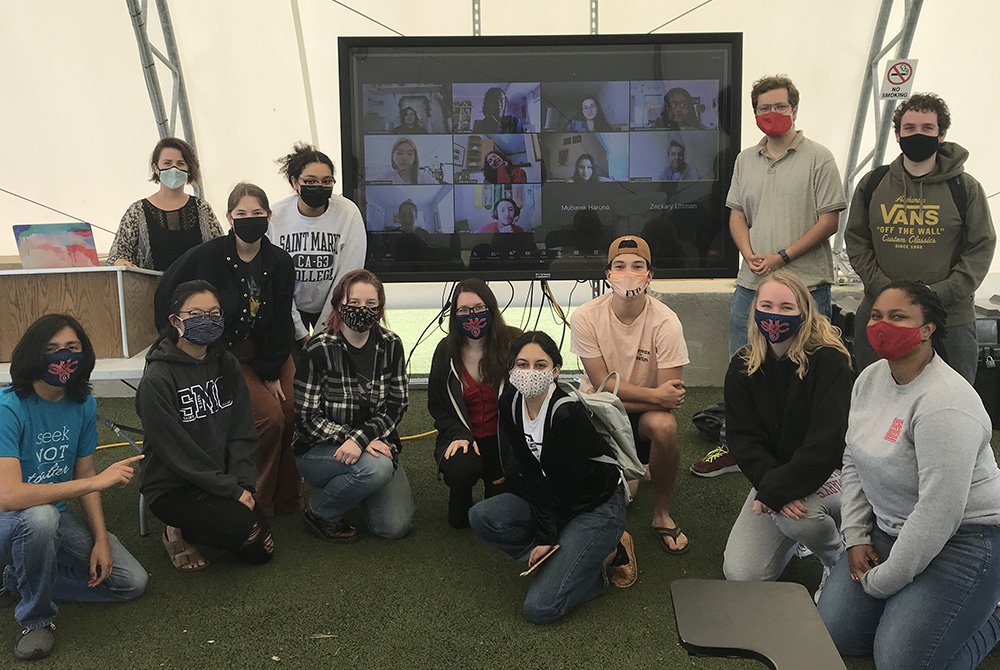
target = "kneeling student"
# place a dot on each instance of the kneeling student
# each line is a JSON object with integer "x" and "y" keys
{"x": 788, "y": 394}
{"x": 48, "y": 434}
{"x": 199, "y": 472}
{"x": 561, "y": 496}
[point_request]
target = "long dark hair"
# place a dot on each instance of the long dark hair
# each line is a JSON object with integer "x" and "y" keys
{"x": 177, "y": 299}
{"x": 543, "y": 340}
{"x": 27, "y": 364}
{"x": 489, "y": 172}
{"x": 600, "y": 121}
{"x": 930, "y": 306}
{"x": 691, "y": 121}
{"x": 496, "y": 348}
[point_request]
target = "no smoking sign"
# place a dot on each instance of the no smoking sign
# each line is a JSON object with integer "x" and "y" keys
{"x": 898, "y": 80}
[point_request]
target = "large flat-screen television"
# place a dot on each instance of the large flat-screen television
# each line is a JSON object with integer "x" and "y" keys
{"x": 524, "y": 157}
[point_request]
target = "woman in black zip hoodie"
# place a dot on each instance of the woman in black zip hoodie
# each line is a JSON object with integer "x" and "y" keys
{"x": 559, "y": 493}
{"x": 467, "y": 371}
{"x": 788, "y": 395}
{"x": 198, "y": 474}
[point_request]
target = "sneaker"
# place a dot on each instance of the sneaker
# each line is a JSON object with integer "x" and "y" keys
{"x": 340, "y": 532}
{"x": 802, "y": 551}
{"x": 717, "y": 462}
{"x": 822, "y": 583}
{"x": 624, "y": 576}
{"x": 35, "y": 643}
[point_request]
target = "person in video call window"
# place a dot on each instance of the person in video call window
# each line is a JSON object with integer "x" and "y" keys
{"x": 678, "y": 112}
{"x": 677, "y": 165}
{"x": 498, "y": 170}
{"x": 494, "y": 120}
{"x": 405, "y": 161}
{"x": 585, "y": 171}
{"x": 406, "y": 217}
{"x": 591, "y": 118}
{"x": 409, "y": 123}
{"x": 505, "y": 213}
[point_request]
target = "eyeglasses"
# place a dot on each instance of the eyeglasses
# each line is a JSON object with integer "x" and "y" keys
{"x": 200, "y": 312}
{"x": 781, "y": 107}
{"x": 477, "y": 309}
{"x": 329, "y": 181}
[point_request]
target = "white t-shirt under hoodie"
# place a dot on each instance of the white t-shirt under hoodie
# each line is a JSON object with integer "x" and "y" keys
{"x": 323, "y": 249}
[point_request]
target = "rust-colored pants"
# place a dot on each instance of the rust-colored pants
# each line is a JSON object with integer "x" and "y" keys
{"x": 279, "y": 485}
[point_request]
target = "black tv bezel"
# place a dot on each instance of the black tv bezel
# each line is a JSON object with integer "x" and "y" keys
{"x": 349, "y": 169}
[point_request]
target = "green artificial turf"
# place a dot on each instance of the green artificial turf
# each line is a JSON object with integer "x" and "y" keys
{"x": 439, "y": 598}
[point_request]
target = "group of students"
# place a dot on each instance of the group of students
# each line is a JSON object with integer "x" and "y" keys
{"x": 268, "y": 372}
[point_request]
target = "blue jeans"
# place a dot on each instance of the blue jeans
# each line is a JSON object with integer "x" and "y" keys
{"x": 575, "y": 574}
{"x": 46, "y": 554}
{"x": 945, "y": 618}
{"x": 739, "y": 320}
{"x": 383, "y": 493}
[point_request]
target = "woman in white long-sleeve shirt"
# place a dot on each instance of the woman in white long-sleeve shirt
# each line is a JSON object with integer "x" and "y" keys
{"x": 322, "y": 232}
{"x": 919, "y": 584}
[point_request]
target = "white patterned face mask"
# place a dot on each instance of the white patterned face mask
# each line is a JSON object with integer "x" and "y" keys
{"x": 531, "y": 383}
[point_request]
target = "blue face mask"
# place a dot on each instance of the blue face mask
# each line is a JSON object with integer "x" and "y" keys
{"x": 204, "y": 329}
{"x": 173, "y": 177}
{"x": 777, "y": 327}
{"x": 474, "y": 326}
{"x": 61, "y": 367}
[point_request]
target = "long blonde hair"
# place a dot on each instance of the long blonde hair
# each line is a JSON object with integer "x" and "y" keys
{"x": 815, "y": 332}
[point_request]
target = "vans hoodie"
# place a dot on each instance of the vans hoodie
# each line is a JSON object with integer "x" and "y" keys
{"x": 912, "y": 230}
{"x": 198, "y": 423}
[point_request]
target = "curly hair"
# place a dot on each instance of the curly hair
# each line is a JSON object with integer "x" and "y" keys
{"x": 924, "y": 102}
{"x": 771, "y": 83}
{"x": 292, "y": 165}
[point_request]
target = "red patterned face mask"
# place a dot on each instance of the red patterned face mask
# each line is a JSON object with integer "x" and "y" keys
{"x": 474, "y": 326}
{"x": 61, "y": 366}
{"x": 774, "y": 124}
{"x": 891, "y": 341}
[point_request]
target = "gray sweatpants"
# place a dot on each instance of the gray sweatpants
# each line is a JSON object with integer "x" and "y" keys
{"x": 760, "y": 547}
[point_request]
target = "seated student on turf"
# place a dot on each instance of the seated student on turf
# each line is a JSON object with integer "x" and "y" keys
{"x": 629, "y": 332}
{"x": 48, "y": 434}
{"x": 560, "y": 495}
{"x": 467, "y": 371}
{"x": 198, "y": 475}
{"x": 350, "y": 395}
{"x": 919, "y": 584}
{"x": 787, "y": 395}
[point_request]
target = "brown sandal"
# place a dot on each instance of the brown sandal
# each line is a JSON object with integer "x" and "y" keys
{"x": 183, "y": 556}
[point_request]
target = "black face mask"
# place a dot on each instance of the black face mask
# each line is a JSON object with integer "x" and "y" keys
{"x": 315, "y": 195}
{"x": 251, "y": 228}
{"x": 919, "y": 148}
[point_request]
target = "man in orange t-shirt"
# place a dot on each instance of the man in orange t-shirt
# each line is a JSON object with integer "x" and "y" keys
{"x": 642, "y": 339}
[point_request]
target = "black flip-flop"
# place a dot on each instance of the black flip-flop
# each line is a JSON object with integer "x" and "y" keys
{"x": 661, "y": 534}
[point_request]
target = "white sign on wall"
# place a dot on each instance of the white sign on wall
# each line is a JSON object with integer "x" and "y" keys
{"x": 898, "y": 80}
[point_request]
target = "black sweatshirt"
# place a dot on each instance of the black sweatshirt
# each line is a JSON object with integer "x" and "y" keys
{"x": 787, "y": 434}
{"x": 198, "y": 423}
{"x": 217, "y": 262}
{"x": 566, "y": 482}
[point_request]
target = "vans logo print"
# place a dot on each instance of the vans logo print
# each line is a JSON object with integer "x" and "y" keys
{"x": 894, "y": 430}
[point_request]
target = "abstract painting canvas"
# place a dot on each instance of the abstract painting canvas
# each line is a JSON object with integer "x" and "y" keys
{"x": 55, "y": 245}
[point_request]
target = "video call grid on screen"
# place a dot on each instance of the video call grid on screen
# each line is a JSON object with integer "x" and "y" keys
{"x": 519, "y": 158}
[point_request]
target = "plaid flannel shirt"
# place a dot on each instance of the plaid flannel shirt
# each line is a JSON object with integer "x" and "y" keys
{"x": 329, "y": 405}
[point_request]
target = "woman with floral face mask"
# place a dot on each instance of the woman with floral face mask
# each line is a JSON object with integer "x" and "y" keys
{"x": 564, "y": 490}
{"x": 919, "y": 584}
{"x": 254, "y": 280}
{"x": 157, "y": 230}
{"x": 468, "y": 370}
{"x": 350, "y": 395}
{"x": 199, "y": 473}
{"x": 787, "y": 396}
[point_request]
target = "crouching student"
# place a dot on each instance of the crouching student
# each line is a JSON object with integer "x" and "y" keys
{"x": 48, "y": 434}
{"x": 919, "y": 584}
{"x": 560, "y": 495}
{"x": 788, "y": 393}
{"x": 199, "y": 473}
{"x": 350, "y": 395}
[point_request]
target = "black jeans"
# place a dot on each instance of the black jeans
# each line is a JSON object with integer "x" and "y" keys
{"x": 464, "y": 470}
{"x": 214, "y": 521}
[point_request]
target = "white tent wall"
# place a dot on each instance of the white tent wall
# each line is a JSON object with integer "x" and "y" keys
{"x": 78, "y": 127}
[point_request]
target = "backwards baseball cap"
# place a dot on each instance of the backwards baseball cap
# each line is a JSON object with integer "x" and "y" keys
{"x": 630, "y": 244}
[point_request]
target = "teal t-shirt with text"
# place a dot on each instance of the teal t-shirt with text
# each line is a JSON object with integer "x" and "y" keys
{"x": 46, "y": 437}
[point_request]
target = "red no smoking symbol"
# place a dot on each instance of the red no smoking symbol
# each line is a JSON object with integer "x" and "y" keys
{"x": 899, "y": 74}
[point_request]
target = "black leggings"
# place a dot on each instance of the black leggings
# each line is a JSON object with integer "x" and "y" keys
{"x": 214, "y": 521}
{"x": 464, "y": 470}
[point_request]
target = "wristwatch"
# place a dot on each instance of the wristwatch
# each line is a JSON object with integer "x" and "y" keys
{"x": 784, "y": 256}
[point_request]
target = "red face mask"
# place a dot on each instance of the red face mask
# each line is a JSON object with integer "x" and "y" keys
{"x": 891, "y": 341}
{"x": 774, "y": 124}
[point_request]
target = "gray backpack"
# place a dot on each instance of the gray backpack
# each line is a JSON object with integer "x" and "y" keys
{"x": 609, "y": 418}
